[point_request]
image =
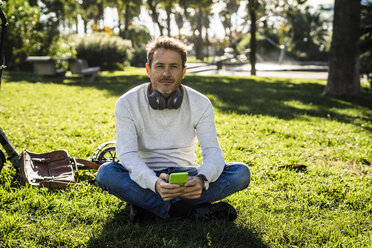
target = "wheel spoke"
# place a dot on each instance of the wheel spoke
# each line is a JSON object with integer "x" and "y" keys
{"x": 108, "y": 154}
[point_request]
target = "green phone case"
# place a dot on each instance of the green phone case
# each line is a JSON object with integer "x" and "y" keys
{"x": 179, "y": 178}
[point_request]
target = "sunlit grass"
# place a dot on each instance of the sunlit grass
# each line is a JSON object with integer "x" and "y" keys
{"x": 264, "y": 122}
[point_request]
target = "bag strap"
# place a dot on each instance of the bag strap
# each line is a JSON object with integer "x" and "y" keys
{"x": 87, "y": 163}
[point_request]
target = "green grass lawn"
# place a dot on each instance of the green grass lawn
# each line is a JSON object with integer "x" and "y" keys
{"x": 264, "y": 122}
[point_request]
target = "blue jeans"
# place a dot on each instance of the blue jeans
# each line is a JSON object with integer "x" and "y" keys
{"x": 114, "y": 178}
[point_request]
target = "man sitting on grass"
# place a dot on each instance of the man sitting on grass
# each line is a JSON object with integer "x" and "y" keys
{"x": 157, "y": 128}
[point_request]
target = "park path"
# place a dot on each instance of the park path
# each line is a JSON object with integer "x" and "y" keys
{"x": 307, "y": 71}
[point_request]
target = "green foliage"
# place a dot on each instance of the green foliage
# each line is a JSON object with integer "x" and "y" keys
{"x": 139, "y": 58}
{"x": 308, "y": 35}
{"x": 266, "y": 50}
{"x": 22, "y": 38}
{"x": 304, "y": 34}
{"x": 62, "y": 48}
{"x": 31, "y": 35}
{"x": 108, "y": 52}
{"x": 139, "y": 36}
{"x": 264, "y": 122}
{"x": 27, "y": 35}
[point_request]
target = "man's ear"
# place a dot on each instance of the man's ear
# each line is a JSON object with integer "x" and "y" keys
{"x": 184, "y": 72}
{"x": 148, "y": 70}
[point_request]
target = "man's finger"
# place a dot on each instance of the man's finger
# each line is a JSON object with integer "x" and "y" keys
{"x": 164, "y": 176}
{"x": 168, "y": 196}
{"x": 169, "y": 191}
{"x": 194, "y": 180}
{"x": 191, "y": 196}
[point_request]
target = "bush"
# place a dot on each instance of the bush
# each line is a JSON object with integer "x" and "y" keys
{"x": 138, "y": 34}
{"x": 139, "y": 58}
{"x": 105, "y": 51}
{"x": 61, "y": 48}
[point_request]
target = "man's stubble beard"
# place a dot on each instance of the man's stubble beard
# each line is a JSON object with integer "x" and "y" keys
{"x": 169, "y": 92}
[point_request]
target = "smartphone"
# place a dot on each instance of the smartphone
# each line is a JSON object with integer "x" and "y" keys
{"x": 179, "y": 178}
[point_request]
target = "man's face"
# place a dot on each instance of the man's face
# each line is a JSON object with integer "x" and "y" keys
{"x": 166, "y": 72}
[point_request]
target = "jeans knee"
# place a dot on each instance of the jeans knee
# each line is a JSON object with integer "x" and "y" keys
{"x": 103, "y": 173}
{"x": 242, "y": 174}
{"x": 100, "y": 176}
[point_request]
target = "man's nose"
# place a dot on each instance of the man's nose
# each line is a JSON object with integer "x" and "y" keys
{"x": 166, "y": 71}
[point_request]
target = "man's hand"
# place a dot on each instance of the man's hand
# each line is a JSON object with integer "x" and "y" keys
{"x": 191, "y": 190}
{"x": 165, "y": 190}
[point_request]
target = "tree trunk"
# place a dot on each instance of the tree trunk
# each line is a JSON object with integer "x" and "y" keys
{"x": 126, "y": 22}
{"x": 154, "y": 15}
{"x": 85, "y": 26}
{"x": 179, "y": 21}
{"x": 252, "y": 54}
{"x": 77, "y": 24}
{"x": 344, "y": 75}
{"x": 207, "y": 43}
{"x": 206, "y": 25}
{"x": 101, "y": 16}
{"x": 168, "y": 10}
{"x": 199, "y": 43}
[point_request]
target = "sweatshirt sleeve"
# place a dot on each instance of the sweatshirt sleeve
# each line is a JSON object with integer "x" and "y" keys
{"x": 213, "y": 160}
{"x": 127, "y": 149}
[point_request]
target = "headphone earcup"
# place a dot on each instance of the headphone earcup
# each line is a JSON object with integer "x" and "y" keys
{"x": 157, "y": 100}
{"x": 174, "y": 101}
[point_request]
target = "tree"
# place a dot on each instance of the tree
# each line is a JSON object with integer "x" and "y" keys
{"x": 22, "y": 38}
{"x": 308, "y": 33}
{"x": 179, "y": 17}
{"x": 200, "y": 12}
{"x": 127, "y": 10}
{"x": 92, "y": 10}
{"x": 252, "y": 6}
{"x": 366, "y": 42}
{"x": 168, "y": 6}
{"x": 152, "y": 5}
{"x": 59, "y": 13}
{"x": 231, "y": 7}
{"x": 344, "y": 75}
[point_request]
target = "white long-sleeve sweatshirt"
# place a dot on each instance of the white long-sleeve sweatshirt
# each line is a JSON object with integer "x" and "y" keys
{"x": 149, "y": 140}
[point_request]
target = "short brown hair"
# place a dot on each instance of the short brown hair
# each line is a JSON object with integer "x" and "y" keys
{"x": 167, "y": 43}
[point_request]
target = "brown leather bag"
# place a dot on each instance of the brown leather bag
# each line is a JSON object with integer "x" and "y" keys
{"x": 54, "y": 169}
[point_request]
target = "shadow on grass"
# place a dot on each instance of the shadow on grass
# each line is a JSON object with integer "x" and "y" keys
{"x": 269, "y": 96}
{"x": 260, "y": 96}
{"x": 119, "y": 232}
{"x": 281, "y": 98}
{"x": 15, "y": 76}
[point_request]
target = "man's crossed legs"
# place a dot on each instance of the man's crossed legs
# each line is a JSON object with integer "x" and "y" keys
{"x": 114, "y": 178}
